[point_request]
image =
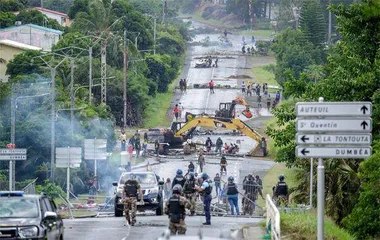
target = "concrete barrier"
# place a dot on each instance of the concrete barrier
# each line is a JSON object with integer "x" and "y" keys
{"x": 273, "y": 219}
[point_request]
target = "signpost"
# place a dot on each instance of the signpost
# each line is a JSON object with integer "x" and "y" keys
{"x": 12, "y": 154}
{"x": 332, "y": 130}
{"x": 95, "y": 149}
{"x": 68, "y": 158}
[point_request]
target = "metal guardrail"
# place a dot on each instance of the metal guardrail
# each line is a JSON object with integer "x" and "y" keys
{"x": 273, "y": 219}
{"x": 30, "y": 188}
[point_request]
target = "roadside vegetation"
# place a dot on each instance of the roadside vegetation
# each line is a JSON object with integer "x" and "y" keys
{"x": 263, "y": 74}
{"x": 150, "y": 80}
{"x": 346, "y": 71}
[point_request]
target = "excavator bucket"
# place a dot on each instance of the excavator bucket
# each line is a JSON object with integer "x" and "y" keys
{"x": 247, "y": 114}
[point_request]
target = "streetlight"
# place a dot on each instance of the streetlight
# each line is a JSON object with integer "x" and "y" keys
{"x": 12, "y": 164}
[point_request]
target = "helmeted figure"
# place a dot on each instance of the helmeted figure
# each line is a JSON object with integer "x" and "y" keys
{"x": 175, "y": 208}
{"x": 189, "y": 192}
{"x": 130, "y": 190}
{"x": 179, "y": 179}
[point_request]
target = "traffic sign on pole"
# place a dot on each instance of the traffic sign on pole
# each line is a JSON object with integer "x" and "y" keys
{"x": 21, "y": 151}
{"x": 12, "y": 157}
{"x": 333, "y": 152}
{"x": 334, "y": 139}
{"x": 330, "y": 109}
{"x": 334, "y": 125}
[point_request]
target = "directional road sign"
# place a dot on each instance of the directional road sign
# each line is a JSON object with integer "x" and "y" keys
{"x": 334, "y": 139}
{"x": 330, "y": 109}
{"x": 12, "y": 157}
{"x": 21, "y": 151}
{"x": 68, "y": 157}
{"x": 95, "y": 149}
{"x": 333, "y": 152}
{"x": 334, "y": 125}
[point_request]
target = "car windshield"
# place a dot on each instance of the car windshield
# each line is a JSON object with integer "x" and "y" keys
{"x": 18, "y": 208}
{"x": 145, "y": 179}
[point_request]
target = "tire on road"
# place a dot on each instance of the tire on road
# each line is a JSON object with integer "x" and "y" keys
{"x": 159, "y": 210}
{"x": 118, "y": 211}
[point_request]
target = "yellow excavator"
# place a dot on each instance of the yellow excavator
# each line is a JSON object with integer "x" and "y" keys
{"x": 227, "y": 110}
{"x": 181, "y": 131}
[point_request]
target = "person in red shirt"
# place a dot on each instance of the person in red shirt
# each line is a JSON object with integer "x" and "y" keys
{"x": 176, "y": 112}
{"x": 211, "y": 85}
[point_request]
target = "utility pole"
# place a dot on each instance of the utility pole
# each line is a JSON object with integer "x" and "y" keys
{"x": 72, "y": 98}
{"x": 125, "y": 80}
{"x": 42, "y": 3}
{"x": 52, "y": 122}
{"x": 154, "y": 35}
{"x": 103, "y": 71}
{"x": 90, "y": 75}
{"x": 329, "y": 33}
{"x": 12, "y": 164}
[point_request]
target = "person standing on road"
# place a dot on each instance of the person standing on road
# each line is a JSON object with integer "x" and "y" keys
{"x": 223, "y": 165}
{"x": 168, "y": 188}
{"x": 137, "y": 146}
{"x": 211, "y": 86}
{"x": 176, "y": 112}
{"x": 216, "y": 62}
{"x": 268, "y": 103}
{"x": 208, "y": 144}
{"x": 243, "y": 87}
{"x": 130, "y": 190}
{"x": 232, "y": 195}
{"x": 144, "y": 147}
{"x": 184, "y": 85}
{"x": 181, "y": 85}
{"x": 156, "y": 147}
{"x": 180, "y": 110}
{"x": 264, "y": 146}
{"x": 206, "y": 190}
{"x": 179, "y": 179}
{"x": 217, "y": 184}
{"x": 189, "y": 192}
{"x": 176, "y": 209}
{"x": 201, "y": 160}
{"x": 191, "y": 167}
{"x": 218, "y": 145}
{"x": 259, "y": 106}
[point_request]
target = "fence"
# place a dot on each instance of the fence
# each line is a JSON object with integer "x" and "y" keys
{"x": 273, "y": 219}
{"x": 30, "y": 188}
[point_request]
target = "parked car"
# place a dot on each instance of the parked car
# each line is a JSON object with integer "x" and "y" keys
{"x": 29, "y": 217}
{"x": 151, "y": 188}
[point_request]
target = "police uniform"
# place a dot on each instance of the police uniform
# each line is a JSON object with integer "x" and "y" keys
{"x": 175, "y": 208}
{"x": 189, "y": 192}
{"x": 179, "y": 179}
{"x": 131, "y": 188}
{"x": 207, "y": 189}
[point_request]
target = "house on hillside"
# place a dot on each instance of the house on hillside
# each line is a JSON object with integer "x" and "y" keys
{"x": 8, "y": 49}
{"x": 61, "y": 18}
{"x": 32, "y": 34}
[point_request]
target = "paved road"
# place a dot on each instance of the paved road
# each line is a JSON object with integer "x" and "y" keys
{"x": 148, "y": 227}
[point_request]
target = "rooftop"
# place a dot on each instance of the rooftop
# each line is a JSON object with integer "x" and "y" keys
{"x": 19, "y": 45}
{"x": 33, "y": 26}
{"x": 51, "y": 11}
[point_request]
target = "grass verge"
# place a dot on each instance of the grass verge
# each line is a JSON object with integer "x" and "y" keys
{"x": 304, "y": 226}
{"x": 257, "y": 33}
{"x": 65, "y": 214}
{"x": 263, "y": 76}
{"x": 157, "y": 108}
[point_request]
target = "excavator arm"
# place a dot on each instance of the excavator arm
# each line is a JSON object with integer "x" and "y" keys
{"x": 211, "y": 122}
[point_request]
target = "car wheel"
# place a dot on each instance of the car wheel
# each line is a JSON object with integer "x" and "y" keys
{"x": 159, "y": 210}
{"x": 118, "y": 212}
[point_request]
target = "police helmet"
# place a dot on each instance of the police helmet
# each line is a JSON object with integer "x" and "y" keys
{"x": 177, "y": 189}
{"x": 179, "y": 172}
{"x": 281, "y": 177}
{"x": 230, "y": 179}
{"x": 249, "y": 175}
{"x": 191, "y": 174}
{"x": 204, "y": 176}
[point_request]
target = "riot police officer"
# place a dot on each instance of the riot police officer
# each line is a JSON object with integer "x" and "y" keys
{"x": 205, "y": 189}
{"x": 189, "y": 191}
{"x": 280, "y": 191}
{"x": 179, "y": 179}
{"x": 175, "y": 208}
{"x": 131, "y": 187}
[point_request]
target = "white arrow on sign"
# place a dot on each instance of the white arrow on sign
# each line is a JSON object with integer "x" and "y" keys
{"x": 334, "y": 125}
{"x": 333, "y": 152}
{"x": 353, "y": 139}
{"x": 338, "y": 109}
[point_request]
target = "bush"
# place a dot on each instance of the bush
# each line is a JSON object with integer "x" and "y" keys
{"x": 50, "y": 189}
{"x": 364, "y": 220}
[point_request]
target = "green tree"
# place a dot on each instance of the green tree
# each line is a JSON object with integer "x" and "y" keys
{"x": 293, "y": 51}
{"x": 78, "y": 6}
{"x": 364, "y": 220}
{"x": 10, "y": 6}
{"x": 7, "y": 19}
{"x": 23, "y": 64}
{"x": 312, "y": 22}
{"x": 59, "y": 5}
